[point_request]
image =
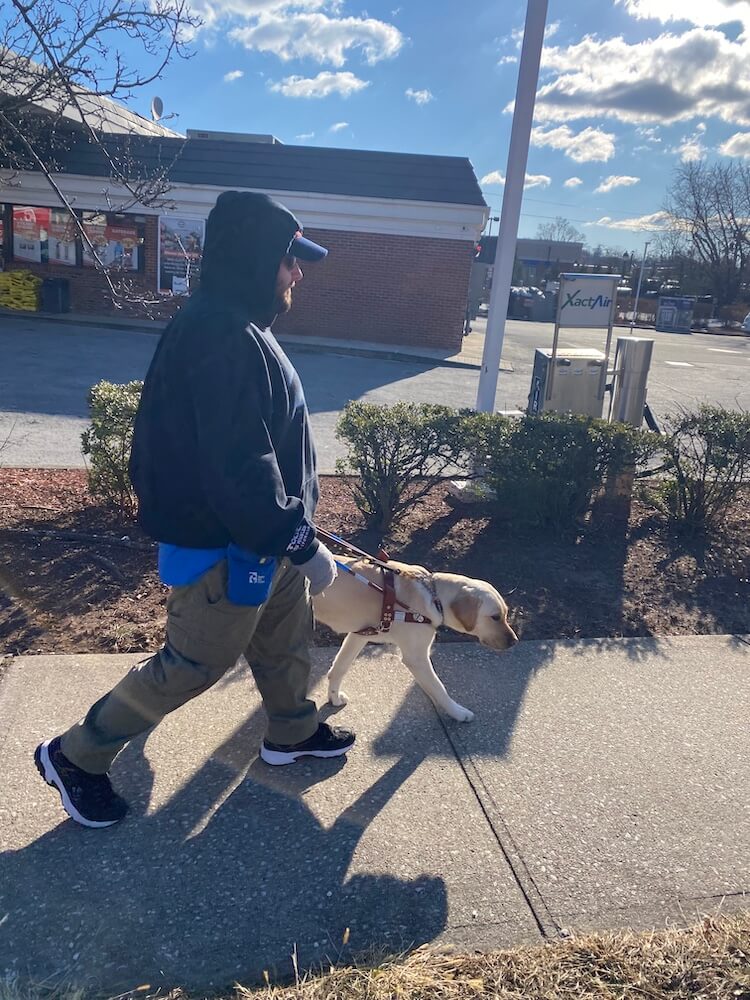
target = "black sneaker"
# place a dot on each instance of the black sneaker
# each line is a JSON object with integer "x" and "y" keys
{"x": 87, "y": 798}
{"x": 326, "y": 742}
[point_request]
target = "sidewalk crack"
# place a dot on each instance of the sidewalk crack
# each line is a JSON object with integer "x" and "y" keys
{"x": 543, "y": 917}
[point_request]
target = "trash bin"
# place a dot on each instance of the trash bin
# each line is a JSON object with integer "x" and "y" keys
{"x": 55, "y": 295}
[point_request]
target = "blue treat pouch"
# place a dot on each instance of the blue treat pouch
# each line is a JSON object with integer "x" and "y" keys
{"x": 249, "y": 577}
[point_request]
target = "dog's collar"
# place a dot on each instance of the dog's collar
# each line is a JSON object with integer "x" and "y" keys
{"x": 436, "y": 600}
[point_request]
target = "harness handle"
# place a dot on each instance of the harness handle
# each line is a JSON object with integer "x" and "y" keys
{"x": 327, "y": 536}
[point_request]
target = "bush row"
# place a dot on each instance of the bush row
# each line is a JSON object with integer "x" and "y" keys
{"x": 543, "y": 470}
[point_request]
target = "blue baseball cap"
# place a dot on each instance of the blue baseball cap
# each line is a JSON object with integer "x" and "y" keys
{"x": 304, "y": 249}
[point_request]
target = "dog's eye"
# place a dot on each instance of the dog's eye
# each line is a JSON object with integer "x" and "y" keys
{"x": 497, "y": 618}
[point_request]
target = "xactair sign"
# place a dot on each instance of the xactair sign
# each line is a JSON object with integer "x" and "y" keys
{"x": 587, "y": 300}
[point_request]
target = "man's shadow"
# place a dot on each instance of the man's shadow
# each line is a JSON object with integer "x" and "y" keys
{"x": 233, "y": 875}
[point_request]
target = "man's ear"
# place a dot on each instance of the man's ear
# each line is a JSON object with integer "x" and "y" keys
{"x": 466, "y": 609}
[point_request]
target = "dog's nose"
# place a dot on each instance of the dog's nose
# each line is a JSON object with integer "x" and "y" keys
{"x": 512, "y": 638}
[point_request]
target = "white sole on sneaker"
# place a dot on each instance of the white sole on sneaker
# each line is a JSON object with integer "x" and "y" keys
{"x": 277, "y": 757}
{"x": 50, "y": 775}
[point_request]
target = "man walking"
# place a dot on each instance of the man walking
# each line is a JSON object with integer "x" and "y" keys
{"x": 223, "y": 464}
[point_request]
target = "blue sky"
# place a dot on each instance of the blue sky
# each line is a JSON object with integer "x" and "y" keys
{"x": 628, "y": 90}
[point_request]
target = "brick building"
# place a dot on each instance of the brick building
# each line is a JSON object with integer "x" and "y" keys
{"x": 401, "y": 228}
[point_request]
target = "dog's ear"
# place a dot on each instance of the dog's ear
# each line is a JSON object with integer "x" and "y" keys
{"x": 466, "y": 608}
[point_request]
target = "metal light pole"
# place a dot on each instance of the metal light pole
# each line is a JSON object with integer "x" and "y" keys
{"x": 638, "y": 292}
{"x": 518, "y": 153}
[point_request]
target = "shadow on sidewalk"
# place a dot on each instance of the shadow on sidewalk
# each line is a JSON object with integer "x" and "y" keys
{"x": 232, "y": 876}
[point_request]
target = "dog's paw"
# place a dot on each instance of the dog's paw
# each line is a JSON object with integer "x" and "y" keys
{"x": 338, "y": 698}
{"x": 461, "y": 714}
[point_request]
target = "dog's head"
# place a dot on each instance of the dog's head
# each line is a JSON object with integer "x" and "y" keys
{"x": 476, "y": 608}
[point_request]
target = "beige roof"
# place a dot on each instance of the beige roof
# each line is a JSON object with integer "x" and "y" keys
{"x": 19, "y": 75}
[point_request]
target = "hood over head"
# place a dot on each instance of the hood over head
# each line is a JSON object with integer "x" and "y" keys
{"x": 247, "y": 236}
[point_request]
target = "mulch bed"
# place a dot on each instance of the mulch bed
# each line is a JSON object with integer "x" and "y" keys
{"x": 619, "y": 575}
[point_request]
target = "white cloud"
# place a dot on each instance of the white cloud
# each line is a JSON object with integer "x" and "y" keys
{"x": 507, "y": 59}
{"x": 698, "y": 74}
{"x": 704, "y": 13}
{"x": 212, "y": 12}
{"x": 319, "y": 37}
{"x": 551, "y": 30}
{"x": 339, "y": 127}
{"x": 420, "y": 96}
{"x": 736, "y": 145}
{"x": 590, "y": 145}
{"x": 573, "y": 182}
{"x": 691, "y": 148}
{"x": 615, "y": 181}
{"x": 493, "y": 179}
{"x": 644, "y": 223}
{"x": 235, "y": 74}
{"x": 322, "y": 85}
{"x": 537, "y": 180}
{"x": 306, "y": 136}
{"x": 649, "y": 133}
{"x": 496, "y": 179}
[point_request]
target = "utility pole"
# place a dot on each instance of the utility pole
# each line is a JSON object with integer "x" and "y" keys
{"x": 518, "y": 154}
{"x": 638, "y": 292}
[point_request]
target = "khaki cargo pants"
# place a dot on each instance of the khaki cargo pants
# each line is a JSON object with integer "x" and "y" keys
{"x": 206, "y": 635}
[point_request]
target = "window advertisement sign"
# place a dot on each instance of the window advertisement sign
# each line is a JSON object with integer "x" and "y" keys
{"x": 180, "y": 250}
{"x": 675, "y": 314}
{"x": 61, "y": 238}
{"x": 116, "y": 244}
{"x": 30, "y": 233}
{"x": 587, "y": 300}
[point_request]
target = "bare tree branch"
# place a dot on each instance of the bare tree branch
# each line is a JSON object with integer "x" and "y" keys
{"x": 61, "y": 63}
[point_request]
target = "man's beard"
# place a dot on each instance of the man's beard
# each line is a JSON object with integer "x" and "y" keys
{"x": 283, "y": 301}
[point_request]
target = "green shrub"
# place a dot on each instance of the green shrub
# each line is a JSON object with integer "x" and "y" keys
{"x": 107, "y": 443}
{"x": 396, "y": 453}
{"x": 546, "y": 469}
{"x": 708, "y": 465}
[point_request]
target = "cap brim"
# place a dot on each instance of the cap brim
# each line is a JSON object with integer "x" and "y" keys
{"x": 305, "y": 249}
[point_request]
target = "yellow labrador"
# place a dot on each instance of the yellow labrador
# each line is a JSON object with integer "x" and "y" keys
{"x": 469, "y": 606}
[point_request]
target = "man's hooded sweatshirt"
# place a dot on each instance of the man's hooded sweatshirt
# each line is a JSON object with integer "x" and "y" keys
{"x": 222, "y": 449}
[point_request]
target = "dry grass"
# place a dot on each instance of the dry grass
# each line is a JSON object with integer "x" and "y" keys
{"x": 709, "y": 961}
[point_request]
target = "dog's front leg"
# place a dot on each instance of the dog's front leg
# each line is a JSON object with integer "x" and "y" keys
{"x": 424, "y": 674}
{"x": 351, "y": 647}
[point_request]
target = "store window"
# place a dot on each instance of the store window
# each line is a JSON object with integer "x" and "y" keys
{"x": 180, "y": 252}
{"x": 118, "y": 240}
{"x": 43, "y": 235}
{"x": 62, "y": 238}
{"x": 31, "y": 233}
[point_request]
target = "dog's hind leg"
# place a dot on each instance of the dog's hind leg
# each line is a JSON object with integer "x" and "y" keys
{"x": 351, "y": 647}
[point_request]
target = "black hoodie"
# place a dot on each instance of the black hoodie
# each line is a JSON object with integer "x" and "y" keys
{"x": 222, "y": 448}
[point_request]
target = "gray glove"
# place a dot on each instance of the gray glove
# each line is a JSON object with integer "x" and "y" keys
{"x": 320, "y": 570}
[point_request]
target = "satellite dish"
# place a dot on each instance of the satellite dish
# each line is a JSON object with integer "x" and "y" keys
{"x": 157, "y": 108}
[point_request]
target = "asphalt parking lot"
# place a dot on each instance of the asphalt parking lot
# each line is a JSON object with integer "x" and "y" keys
{"x": 48, "y": 369}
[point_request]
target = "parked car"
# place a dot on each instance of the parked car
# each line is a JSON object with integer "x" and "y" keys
{"x": 746, "y": 324}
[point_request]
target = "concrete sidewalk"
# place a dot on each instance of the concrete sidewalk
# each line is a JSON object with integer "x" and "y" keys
{"x": 468, "y": 357}
{"x": 603, "y": 784}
